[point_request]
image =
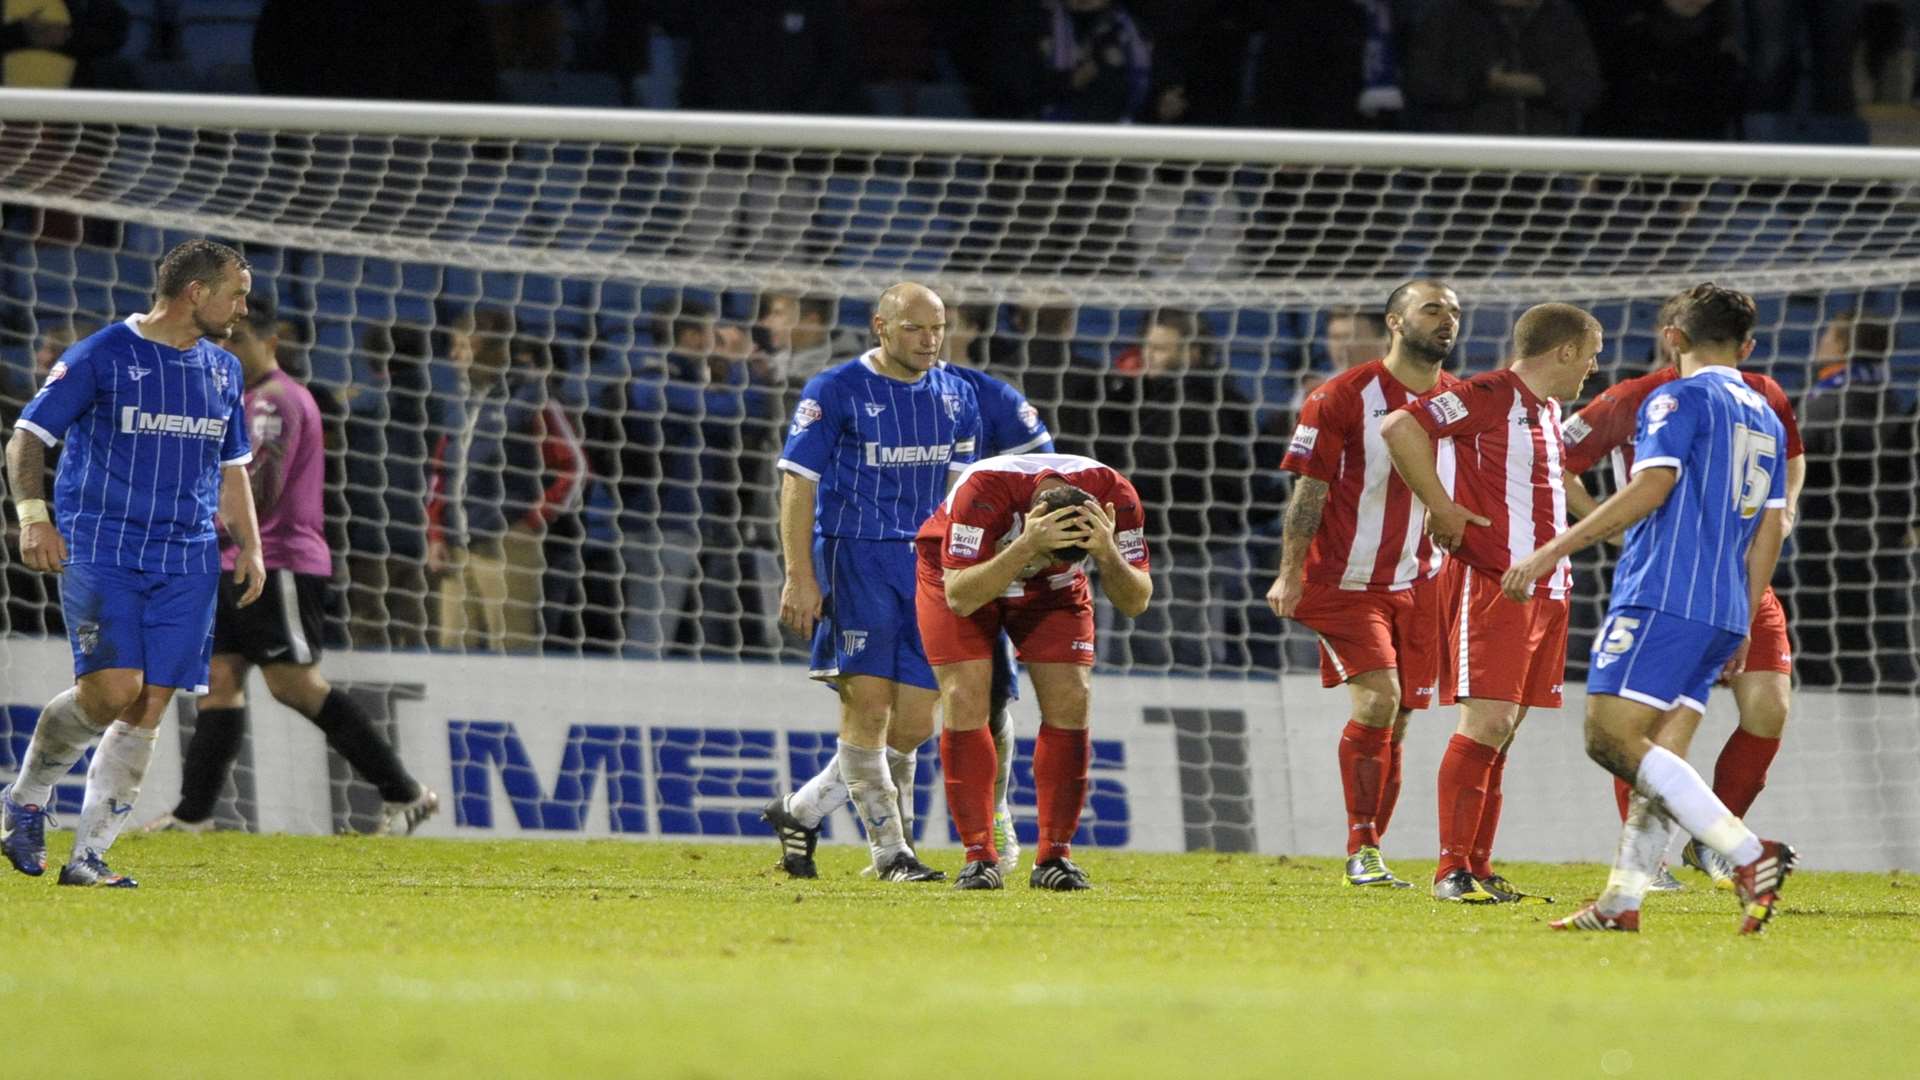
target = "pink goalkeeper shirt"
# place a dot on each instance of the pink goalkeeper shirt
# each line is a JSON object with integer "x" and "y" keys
{"x": 289, "y": 478}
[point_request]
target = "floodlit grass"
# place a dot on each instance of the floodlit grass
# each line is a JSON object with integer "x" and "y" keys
{"x": 247, "y": 956}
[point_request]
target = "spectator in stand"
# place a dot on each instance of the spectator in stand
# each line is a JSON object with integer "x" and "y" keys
{"x": 1501, "y": 67}
{"x": 386, "y": 490}
{"x": 33, "y": 599}
{"x": 58, "y": 43}
{"x": 1200, "y": 52}
{"x": 545, "y": 471}
{"x": 783, "y": 56}
{"x": 466, "y": 507}
{"x": 1673, "y": 68}
{"x": 1854, "y": 570}
{"x": 735, "y": 421}
{"x": 1074, "y": 60}
{"x": 634, "y": 450}
{"x": 1353, "y": 337}
{"x": 422, "y": 50}
{"x": 1172, "y": 421}
{"x": 1777, "y": 33}
{"x": 1331, "y": 65}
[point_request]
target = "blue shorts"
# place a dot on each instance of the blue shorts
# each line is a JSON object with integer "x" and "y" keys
{"x": 1658, "y": 659}
{"x": 868, "y": 624}
{"x": 161, "y": 624}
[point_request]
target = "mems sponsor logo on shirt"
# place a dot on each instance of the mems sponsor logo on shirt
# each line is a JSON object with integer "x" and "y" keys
{"x": 133, "y": 421}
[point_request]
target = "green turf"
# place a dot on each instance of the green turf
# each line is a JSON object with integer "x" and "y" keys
{"x": 296, "y": 956}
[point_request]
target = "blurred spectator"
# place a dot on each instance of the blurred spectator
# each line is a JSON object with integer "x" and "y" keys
{"x": 816, "y": 343}
{"x": 737, "y": 416}
{"x": 422, "y": 50}
{"x": 33, "y": 599}
{"x": 1889, "y": 43}
{"x": 627, "y": 439}
{"x": 1200, "y": 52}
{"x": 1330, "y": 65}
{"x": 1854, "y": 569}
{"x": 544, "y": 480}
{"x": 1352, "y": 337}
{"x": 58, "y": 43}
{"x": 1794, "y": 41}
{"x": 1073, "y": 60}
{"x": 969, "y": 335}
{"x": 466, "y": 508}
{"x": 1174, "y": 424}
{"x": 780, "y": 56}
{"x": 1501, "y": 67}
{"x": 530, "y": 35}
{"x": 1672, "y": 68}
{"x": 386, "y": 491}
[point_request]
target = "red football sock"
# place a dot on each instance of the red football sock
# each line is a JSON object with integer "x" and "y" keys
{"x": 1622, "y": 791}
{"x": 1742, "y": 769}
{"x": 1365, "y": 760}
{"x": 1060, "y": 776}
{"x": 1463, "y": 798}
{"x": 1390, "y": 794}
{"x": 971, "y": 763}
{"x": 1480, "y": 861}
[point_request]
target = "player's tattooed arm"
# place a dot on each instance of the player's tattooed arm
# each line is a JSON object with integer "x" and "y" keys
{"x": 41, "y": 546}
{"x": 1302, "y": 521}
{"x": 26, "y": 466}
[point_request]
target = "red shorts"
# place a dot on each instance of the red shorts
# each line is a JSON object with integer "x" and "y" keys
{"x": 1497, "y": 649}
{"x": 1377, "y": 631}
{"x": 1768, "y": 646}
{"x": 1053, "y": 634}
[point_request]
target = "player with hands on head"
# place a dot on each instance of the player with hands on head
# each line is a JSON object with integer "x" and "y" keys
{"x": 157, "y": 445}
{"x": 1355, "y": 566}
{"x": 1006, "y": 552}
{"x": 1501, "y": 659}
{"x": 1705, "y": 511}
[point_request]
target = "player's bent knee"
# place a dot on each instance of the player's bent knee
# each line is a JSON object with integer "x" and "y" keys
{"x": 965, "y": 701}
{"x": 105, "y": 694}
{"x": 1065, "y": 694}
{"x": 299, "y": 687}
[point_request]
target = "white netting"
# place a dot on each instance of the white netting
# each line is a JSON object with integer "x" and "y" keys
{"x": 604, "y": 238}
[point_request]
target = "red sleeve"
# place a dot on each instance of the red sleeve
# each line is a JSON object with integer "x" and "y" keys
{"x": 1129, "y": 521}
{"x": 1478, "y": 405}
{"x": 560, "y": 453}
{"x": 1607, "y": 422}
{"x": 1783, "y": 408}
{"x": 982, "y": 512}
{"x": 1321, "y": 435}
{"x": 437, "y": 493}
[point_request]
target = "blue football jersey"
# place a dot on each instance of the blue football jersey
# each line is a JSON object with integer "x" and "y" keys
{"x": 879, "y": 448}
{"x": 1689, "y": 557}
{"x": 1009, "y": 424}
{"x": 148, "y": 429}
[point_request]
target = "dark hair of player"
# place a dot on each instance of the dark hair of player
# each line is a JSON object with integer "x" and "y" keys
{"x": 195, "y": 260}
{"x": 1546, "y": 327}
{"x": 261, "y": 320}
{"x": 1059, "y": 498}
{"x": 1398, "y": 300}
{"x": 1709, "y": 314}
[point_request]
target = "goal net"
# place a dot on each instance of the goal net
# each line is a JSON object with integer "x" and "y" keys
{"x": 656, "y": 288}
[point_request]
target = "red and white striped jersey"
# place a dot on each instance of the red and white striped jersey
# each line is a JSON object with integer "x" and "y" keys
{"x": 1372, "y": 530}
{"x": 1605, "y": 426}
{"x": 1507, "y": 453}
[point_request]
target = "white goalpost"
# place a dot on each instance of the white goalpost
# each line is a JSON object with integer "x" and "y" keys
{"x": 668, "y": 280}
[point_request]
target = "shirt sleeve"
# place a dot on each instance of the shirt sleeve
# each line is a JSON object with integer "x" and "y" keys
{"x": 1783, "y": 408}
{"x": 236, "y": 446}
{"x": 1595, "y": 431}
{"x": 1129, "y": 522}
{"x": 1666, "y": 430}
{"x": 1777, "y": 490}
{"x": 1015, "y": 427}
{"x": 1469, "y": 408}
{"x": 1320, "y": 437}
{"x": 69, "y": 391}
{"x": 980, "y": 514}
{"x": 967, "y": 437}
{"x": 815, "y": 428}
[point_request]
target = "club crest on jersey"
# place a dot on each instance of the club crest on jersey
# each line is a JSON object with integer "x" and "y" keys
{"x": 136, "y": 373}
{"x": 87, "y": 637}
{"x": 1029, "y": 416}
{"x": 1658, "y": 410}
{"x": 1447, "y": 408}
{"x": 952, "y": 403}
{"x": 965, "y": 540}
{"x": 874, "y": 409}
{"x": 220, "y": 377}
{"x": 805, "y": 414}
{"x": 853, "y": 642}
{"x": 1304, "y": 437}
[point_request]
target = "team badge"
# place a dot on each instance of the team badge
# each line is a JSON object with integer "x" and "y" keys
{"x": 805, "y": 414}
{"x": 853, "y": 642}
{"x": 87, "y": 636}
{"x": 952, "y": 402}
{"x": 1029, "y": 416}
{"x": 220, "y": 377}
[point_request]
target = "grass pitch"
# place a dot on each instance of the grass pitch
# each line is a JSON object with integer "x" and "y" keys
{"x": 247, "y": 956}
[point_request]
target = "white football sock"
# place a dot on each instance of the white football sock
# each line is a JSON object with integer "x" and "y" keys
{"x": 113, "y": 783}
{"x": 875, "y": 799}
{"x": 1644, "y": 837}
{"x": 820, "y": 796}
{"x": 1003, "y": 745}
{"x": 900, "y": 766}
{"x": 59, "y": 739}
{"x": 1667, "y": 777}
